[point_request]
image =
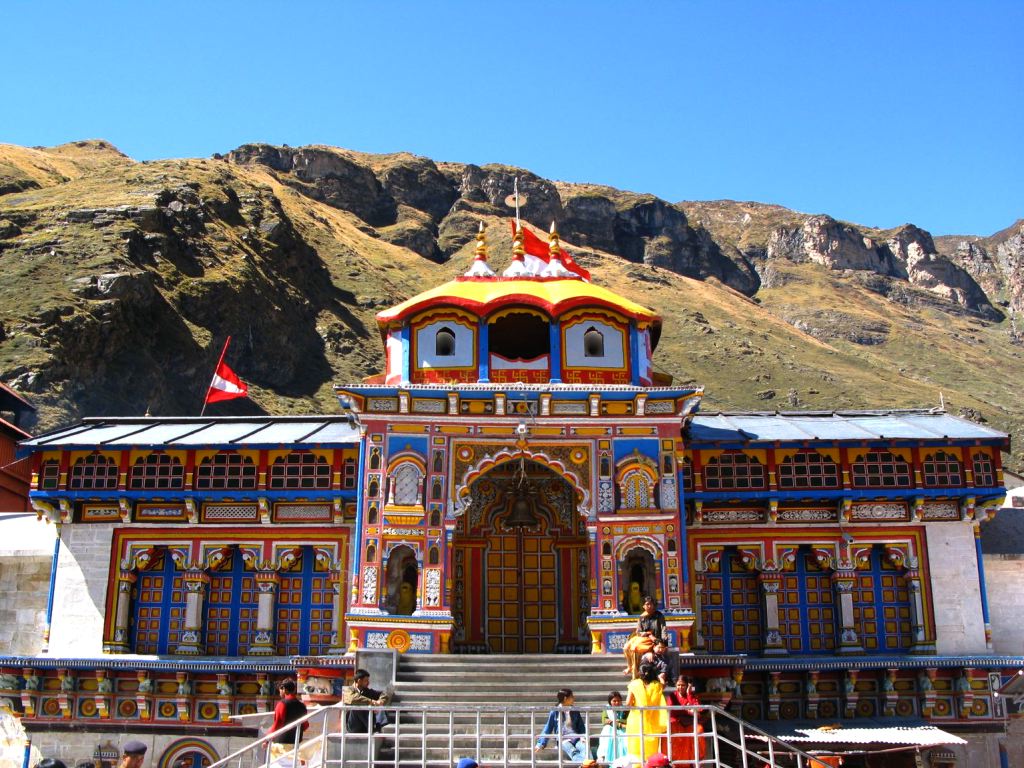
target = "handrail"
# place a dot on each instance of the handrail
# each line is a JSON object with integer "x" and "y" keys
{"x": 493, "y": 734}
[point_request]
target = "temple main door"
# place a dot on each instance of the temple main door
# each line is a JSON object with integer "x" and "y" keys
{"x": 522, "y": 601}
{"x": 520, "y": 565}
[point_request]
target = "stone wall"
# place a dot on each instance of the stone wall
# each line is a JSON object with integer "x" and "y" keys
{"x": 26, "y": 552}
{"x": 83, "y": 569}
{"x": 956, "y": 592}
{"x": 1004, "y": 582}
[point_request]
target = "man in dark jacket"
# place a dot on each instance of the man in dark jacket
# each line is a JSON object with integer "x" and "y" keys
{"x": 360, "y": 695}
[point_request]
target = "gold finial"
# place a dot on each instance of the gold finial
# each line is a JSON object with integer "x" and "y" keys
{"x": 518, "y": 266}
{"x": 481, "y": 244}
{"x": 554, "y": 247}
{"x": 480, "y": 267}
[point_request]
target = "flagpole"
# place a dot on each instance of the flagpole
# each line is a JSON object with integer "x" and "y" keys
{"x": 220, "y": 360}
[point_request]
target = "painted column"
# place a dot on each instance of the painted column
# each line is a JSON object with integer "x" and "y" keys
{"x": 266, "y": 588}
{"x": 406, "y": 375}
{"x": 120, "y": 636}
{"x": 634, "y": 354}
{"x": 196, "y": 582}
{"x": 697, "y": 635}
{"x": 355, "y": 552}
{"x": 483, "y": 351}
{"x": 555, "y": 336}
{"x": 53, "y": 586}
{"x": 770, "y": 581}
{"x": 843, "y": 581}
{"x": 981, "y": 583}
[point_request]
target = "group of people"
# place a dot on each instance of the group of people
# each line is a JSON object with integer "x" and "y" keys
{"x": 655, "y": 728}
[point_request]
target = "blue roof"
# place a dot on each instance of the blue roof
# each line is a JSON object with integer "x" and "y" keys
{"x": 194, "y": 432}
{"x": 837, "y": 426}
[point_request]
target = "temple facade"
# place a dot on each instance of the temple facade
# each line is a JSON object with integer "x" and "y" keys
{"x": 515, "y": 481}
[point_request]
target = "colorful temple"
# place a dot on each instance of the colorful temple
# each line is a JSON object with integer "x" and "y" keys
{"x": 513, "y": 483}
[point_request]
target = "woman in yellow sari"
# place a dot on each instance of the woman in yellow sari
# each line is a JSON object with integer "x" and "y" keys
{"x": 644, "y": 728}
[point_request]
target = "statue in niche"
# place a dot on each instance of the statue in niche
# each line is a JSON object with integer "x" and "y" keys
{"x": 402, "y": 582}
{"x": 638, "y": 576}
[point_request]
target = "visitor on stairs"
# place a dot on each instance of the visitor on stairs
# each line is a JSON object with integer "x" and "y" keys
{"x": 360, "y": 695}
{"x": 612, "y": 744}
{"x": 287, "y": 710}
{"x": 685, "y": 741}
{"x": 657, "y": 657}
{"x": 649, "y": 627}
{"x": 567, "y": 725}
{"x": 645, "y": 727}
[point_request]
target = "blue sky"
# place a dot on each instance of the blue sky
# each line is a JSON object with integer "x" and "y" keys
{"x": 877, "y": 113}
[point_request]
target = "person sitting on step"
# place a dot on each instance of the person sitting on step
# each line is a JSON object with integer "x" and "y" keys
{"x": 657, "y": 657}
{"x": 649, "y": 627}
{"x": 360, "y": 695}
{"x": 566, "y": 725}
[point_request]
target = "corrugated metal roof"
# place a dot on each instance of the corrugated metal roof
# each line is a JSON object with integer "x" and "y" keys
{"x": 890, "y": 731}
{"x": 856, "y": 425}
{"x": 194, "y": 432}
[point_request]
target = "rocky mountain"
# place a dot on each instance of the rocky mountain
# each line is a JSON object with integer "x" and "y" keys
{"x": 121, "y": 279}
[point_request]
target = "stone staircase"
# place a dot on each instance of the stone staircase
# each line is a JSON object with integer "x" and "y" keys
{"x": 452, "y": 689}
{"x": 513, "y": 679}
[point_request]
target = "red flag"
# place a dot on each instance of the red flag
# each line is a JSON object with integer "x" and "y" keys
{"x": 534, "y": 246}
{"x": 225, "y": 384}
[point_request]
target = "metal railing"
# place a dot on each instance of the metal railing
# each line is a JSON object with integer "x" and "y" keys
{"x": 507, "y": 735}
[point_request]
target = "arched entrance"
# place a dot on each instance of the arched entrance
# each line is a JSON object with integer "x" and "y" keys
{"x": 520, "y": 564}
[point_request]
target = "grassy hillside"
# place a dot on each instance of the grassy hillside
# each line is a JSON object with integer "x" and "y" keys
{"x": 120, "y": 281}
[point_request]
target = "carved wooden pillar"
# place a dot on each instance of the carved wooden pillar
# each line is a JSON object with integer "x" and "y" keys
{"x": 119, "y": 634}
{"x": 770, "y": 581}
{"x": 338, "y": 645}
{"x": 697, "y": 633}
{"x": 843, "y": 581}
{"x": 266, "y": 588}
{"x": 196, "y": 582}
{"x": 920, "y": 642}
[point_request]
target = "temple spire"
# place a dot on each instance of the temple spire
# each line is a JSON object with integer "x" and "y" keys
{"x": 518, "y": 266}
{"x": 555, "y": 267}
{"x": 480, "y": 267}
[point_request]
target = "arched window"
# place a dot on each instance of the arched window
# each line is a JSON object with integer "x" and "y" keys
{"x": 375, "y": 458}
{"x": 637, "y": 490}
{"x": 808, "y": 469}
{"x": 984, "y": 470}
{"x": 226, "y": 471}
{"x": 371, "y": 515}
{"x": 436, "y": 489}
{"x": 439, "y": 461}
{"x": 373, "y": 488}
{"x": 371, "y": 552}
{"x": 444, "y": 343}
{"x": 158, "y": 471}
{"x": 93, "y": 472}
{"x": 880, "y": 469}
{"x": 406, "y": 481}
{"x": 807, "y": 611}
{"x": 942, "y": 470}
{"x": 733, "y": 472}
{"x": 49, "y": 475}
{"x": 434, "y": 557}
{"x": 881, "y": 605}
{"x": 435, "y": 518}
{"x": 593, "y": 343}
{"x": 730, "y": 611}
{"x": 231, "y": 608}
{"x": 300, "y": 470}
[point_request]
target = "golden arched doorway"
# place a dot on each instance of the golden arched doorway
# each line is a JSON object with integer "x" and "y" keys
{"x": 521, "y": 566}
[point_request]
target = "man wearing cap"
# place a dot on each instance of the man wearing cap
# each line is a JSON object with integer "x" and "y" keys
{"x": 469, "y": 762}
{"x": 287, "y": 710}
{"x": 132, "y": 754}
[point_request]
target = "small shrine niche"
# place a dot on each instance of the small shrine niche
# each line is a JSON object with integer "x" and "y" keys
{"x": 637, "y": 578}
{"x": 402, "y": 581}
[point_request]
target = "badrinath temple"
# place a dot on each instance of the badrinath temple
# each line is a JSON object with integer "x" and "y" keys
{"x": 513, "y": 483}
